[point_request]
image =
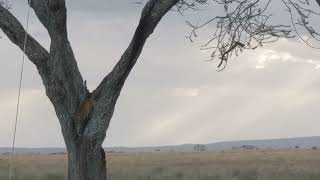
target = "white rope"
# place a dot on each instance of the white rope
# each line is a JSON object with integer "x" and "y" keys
{"x": 19, "y": 95}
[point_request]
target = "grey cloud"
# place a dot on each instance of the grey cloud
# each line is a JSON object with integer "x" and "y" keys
{"x": 172, "y": 95}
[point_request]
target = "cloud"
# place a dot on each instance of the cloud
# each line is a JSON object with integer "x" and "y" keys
{"x": 172, "y": 96}
{"x": 185, "y": 92}
{"x": 37, "y": 124}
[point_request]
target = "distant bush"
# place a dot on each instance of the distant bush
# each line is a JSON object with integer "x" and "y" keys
{"x": 179, "y": 175}
{"x": 158, "y": 170}
{"x": 54, "y": 177}
{"x": 199, "y": 147}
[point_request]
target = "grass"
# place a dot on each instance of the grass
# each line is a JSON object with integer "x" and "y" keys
{"x": 227, "y": 165}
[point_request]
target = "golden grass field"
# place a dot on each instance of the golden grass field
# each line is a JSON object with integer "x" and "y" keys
{"x": 225, "y": 165}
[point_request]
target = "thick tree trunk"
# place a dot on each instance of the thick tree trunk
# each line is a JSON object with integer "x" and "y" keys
{"x": 87, "y": 162}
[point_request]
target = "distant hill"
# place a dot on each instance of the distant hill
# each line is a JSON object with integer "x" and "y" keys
{"x": 301, "y": 142}
{"x": 19, "y": 150}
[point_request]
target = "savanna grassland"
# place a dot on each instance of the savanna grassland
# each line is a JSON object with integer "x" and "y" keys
{"x": 223, "y": 165}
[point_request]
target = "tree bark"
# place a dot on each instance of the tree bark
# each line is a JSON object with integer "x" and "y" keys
{"x": 87, "y": 162}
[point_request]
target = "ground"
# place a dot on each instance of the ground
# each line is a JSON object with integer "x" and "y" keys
{"x": 292, "y": 164}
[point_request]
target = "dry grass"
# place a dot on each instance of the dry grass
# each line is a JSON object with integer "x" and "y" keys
{"x": 228, "y": 165}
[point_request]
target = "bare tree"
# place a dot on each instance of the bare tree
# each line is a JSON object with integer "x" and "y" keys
{"x": 85, "y": 116}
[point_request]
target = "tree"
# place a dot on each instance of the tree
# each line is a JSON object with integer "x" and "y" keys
{"x": 84, "y": 116}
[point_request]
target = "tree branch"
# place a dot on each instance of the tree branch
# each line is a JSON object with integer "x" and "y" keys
{"x": 109, "y": 89}
{"x": 152, "y": 13}
{"x": 41, "y": 8}
{"x": 247, "y": 24}
{"x": 58, "y": 69}
{"x": 53, "y": 15}
{"x": 16, "y": 33}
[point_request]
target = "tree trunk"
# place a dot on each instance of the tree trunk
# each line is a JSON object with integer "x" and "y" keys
{"x": 87, "y": 162}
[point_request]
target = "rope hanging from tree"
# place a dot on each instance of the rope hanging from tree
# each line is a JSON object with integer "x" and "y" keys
{"x": 19, "y": 95}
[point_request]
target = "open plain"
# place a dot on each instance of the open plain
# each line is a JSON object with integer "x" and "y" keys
{"x": 291, "y": 164}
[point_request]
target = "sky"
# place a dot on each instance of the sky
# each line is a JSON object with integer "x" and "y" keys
{"x": 173, "y": 95}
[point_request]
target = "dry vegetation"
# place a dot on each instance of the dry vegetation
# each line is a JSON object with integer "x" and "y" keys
{"x": 227, "y": 165}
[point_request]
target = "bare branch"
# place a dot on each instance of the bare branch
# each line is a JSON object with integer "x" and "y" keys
{"x": 41, "y": 8}
{"x": 53, "y": 15}
{"x": 58, "y": 69}
{"x": 16, "y": 33}
{"x": 246, "y": 24}
{"x": 184, "y": 5}
{"x": 151, "y": 15}
{"x": 108, "y": 91}
{"x": 303, "y": 13}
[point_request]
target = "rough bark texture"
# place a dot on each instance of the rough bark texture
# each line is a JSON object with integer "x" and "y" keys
{"x": 87, "y": 161}
{"x": 84, "y": 116}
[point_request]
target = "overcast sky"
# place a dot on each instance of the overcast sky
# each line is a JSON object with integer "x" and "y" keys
{"x": 173, "y": 95}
